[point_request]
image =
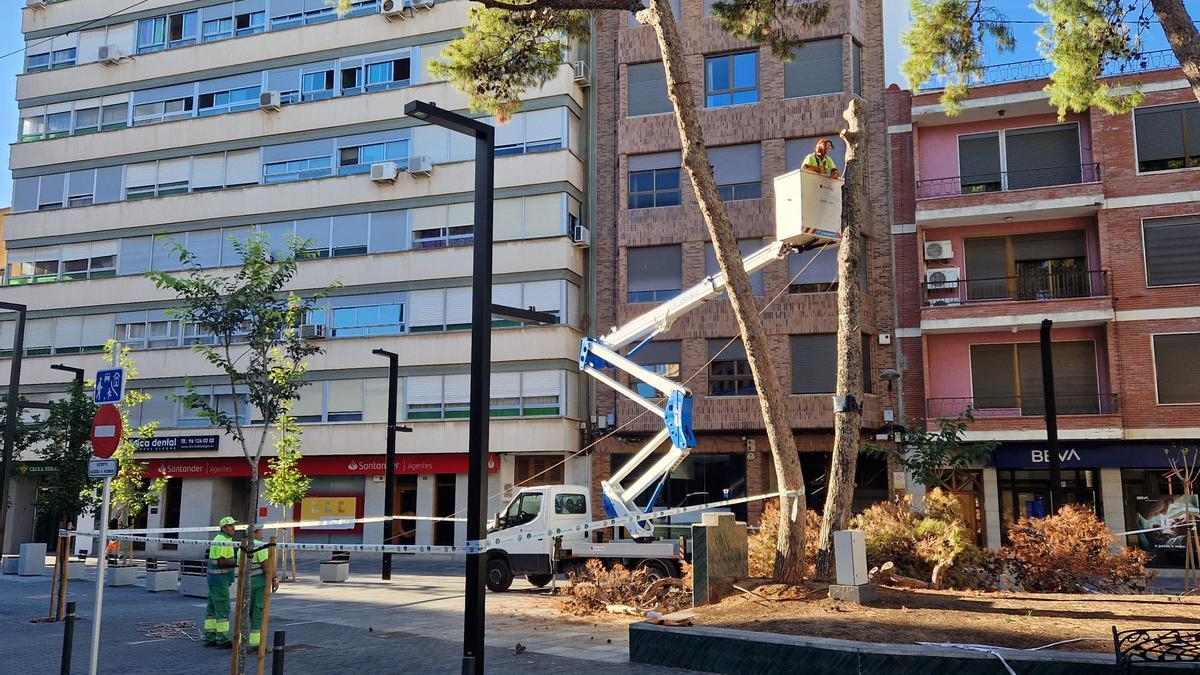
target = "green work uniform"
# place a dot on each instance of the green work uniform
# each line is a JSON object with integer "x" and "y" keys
{"x": 216, "y": 613}
{"x": 258, "y": 581}
{"x": 822, "y": 165}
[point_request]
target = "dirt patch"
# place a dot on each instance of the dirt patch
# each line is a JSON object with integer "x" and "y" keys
{"x": 902, "y": 616}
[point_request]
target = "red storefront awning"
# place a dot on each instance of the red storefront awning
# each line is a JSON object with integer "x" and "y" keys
{"x": 321, "y": 465}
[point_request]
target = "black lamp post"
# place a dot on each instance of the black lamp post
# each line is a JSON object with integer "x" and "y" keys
{"x": 10, "y": 422}
{"x": 389, "y": 489}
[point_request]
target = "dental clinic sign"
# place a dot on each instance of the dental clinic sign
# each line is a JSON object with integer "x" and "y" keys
{"x": 1082, "y": 455}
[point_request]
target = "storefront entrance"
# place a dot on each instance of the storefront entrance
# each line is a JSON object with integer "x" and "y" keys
{"x": 1026, "y": 494}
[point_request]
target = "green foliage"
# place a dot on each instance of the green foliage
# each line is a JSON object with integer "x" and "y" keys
{"x": 65, "y": 447}
{"x": 30, "y": 428}
{"x": 927, "y": 454}
{"x": 131, "y": 491}
{"x": 502, "y": 53}
{"x": 256, "y": 344}
{"x": 285, "y": 485}
{"x": 1079, "y": 38}
{"x": 774, "y": 22}
{"x": 946, "y": 39}
{"x": 934, "y": 545}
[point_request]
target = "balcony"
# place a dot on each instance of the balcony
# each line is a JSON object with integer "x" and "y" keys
{"x": 1001, "y": 407}
{"x": 1043, "y": 285}
{"x": 1005, "y": 181}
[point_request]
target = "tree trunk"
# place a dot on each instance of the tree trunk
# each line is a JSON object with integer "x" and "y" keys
{"x": 789, "y": 554}
{"x": 1184, "y": 38}
{"x": 846, "y": 424}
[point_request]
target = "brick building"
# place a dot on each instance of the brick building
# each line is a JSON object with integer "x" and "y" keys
{"x": 1004, "y": 216}
{"x": 761, "y": 117}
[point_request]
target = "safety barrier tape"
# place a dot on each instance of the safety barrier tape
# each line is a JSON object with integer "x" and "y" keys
{"x": 472, "y": 546}
{"x": 299, "y": 524}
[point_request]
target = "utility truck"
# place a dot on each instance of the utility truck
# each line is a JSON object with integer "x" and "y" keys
{"x": 808, "y": 210}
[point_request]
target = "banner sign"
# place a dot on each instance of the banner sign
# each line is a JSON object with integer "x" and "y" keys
{"x": 179, "y": 443}
{"x": 1082, "y": 455}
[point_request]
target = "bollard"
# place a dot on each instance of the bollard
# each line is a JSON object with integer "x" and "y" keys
{"x": 277, "y": 653}
{"x": 68, "y": 640}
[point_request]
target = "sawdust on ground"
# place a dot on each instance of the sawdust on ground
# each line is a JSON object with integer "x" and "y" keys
{"x": 903, "y": 616}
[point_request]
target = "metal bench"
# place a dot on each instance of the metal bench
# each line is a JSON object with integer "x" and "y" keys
{"x": 1159, "y": 645}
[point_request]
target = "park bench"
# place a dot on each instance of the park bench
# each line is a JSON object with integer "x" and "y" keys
{"x": 1157, "y": 645}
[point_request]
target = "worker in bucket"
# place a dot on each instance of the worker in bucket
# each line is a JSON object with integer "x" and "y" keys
{"x": 222, "y": 564}
{"x": 258, "y": 582}
{"x": 819, "y": 161}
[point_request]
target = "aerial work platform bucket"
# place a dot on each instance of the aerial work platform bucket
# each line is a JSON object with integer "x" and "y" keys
{"x": 808, "y": 208}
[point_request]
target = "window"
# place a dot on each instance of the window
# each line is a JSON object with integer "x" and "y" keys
{"x": 1172, "y": 249}
{"x": 524, "y": 509}
{"x": 745, "y": 248}
{"x": 1007, "y": 378}
{"x": 654, "y": 273}
{"x": 114, "y": 116}
{"x": 162, "y": 111}
{"x": 344, "y": 401}
{"x": 731, "y": 79}
{"x": 359, "y": 159}
{"x": 388, "y": 74}
{"x": 58, "y": 124}
{"x": 814, "y": 271}
{"x": 646, "y": 89}
{"x": 216, "y": 29}
{"x": 181, "y": 29}
{"x": 163, "y": 333}
{"x": 250, "y": 23}
{"x": 661, "y": 358}
{"x": 856, "y": 67}
{"x": 729, "y": 370}
{"x": 316, "y": 86}
{"x": 383, "y": 319}
{"x": 33, "y": 128}
{"x": 352, "y": 81}
{"x": 37, "y": 62}
{"x": 152, "y": 35}
{"x": 654, "y": 187}
{"x": 814, "y": 363}
{"x": 233, "y": 100}
{"x": 1037, "y": 266}
{"x": 87, "y": 120}
{"x": 1167, "y": 136}
{"x": 62, "y": 58}
{"x": 319, "y": 15}
{"x": 282, "y": 21}
{"x": 738, "y": 171}
{"x": 570, "y": 505}
{"x": 1015, "y": 159}
{"x": 297, "y": 169}
{"x": 1176, "y": 384}
{"x": 815, "y": 69}
{"x": 538, "y": 470}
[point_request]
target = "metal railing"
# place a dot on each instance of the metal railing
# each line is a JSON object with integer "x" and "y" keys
{"x": 1026, "y": 287}
{"x": 1037, "y": 69}
{"x": 991, "y": 407}
{"x": 1003, "y": 181}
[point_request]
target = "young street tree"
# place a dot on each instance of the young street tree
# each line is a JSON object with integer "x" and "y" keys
{"x": 509, "y": 46}
{"x": 927, "y": 454}
{"x": 252, "y": 338}
{"x": 66, "y": 449}
{"x": 1082, "y": 39}
{"x": 285, "y": 485}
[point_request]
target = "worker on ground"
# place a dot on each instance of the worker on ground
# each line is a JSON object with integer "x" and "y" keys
{"x": 819, "y": 161}
{"x": 258, "y": 582}
{"x": 222, "y": 564}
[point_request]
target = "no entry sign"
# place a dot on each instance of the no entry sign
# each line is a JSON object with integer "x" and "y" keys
{"x": 106, "y": 431}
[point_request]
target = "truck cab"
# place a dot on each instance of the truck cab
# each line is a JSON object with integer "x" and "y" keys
{"x": 535, "y": 510}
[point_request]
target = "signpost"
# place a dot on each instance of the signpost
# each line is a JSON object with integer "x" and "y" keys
{"x": 106, "y": 436}
{"x": 110, "y": 386}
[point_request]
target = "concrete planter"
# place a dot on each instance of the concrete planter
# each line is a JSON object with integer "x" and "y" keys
{"x": 122, "y": 575}
{"x": 76, "y": 570}
{"x": 193, "y": 585}
{"x": 335, "y": 572}
{"x": 33, "y": 560}
{"x": 10, "y": 564}
{"x": 162, "y": 580}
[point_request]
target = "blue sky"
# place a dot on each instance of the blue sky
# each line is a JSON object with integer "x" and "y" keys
{"x": 896, "y": 12}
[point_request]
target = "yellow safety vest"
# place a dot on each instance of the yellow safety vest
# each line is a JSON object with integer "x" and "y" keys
{"x": 221, "y": 547}
{"x": 823, "y": 165}
{"x": 258, "y": 557}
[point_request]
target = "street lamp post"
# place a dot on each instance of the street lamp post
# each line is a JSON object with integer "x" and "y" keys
{"x": 390, "y": 472}
{"x": 12, "y": 413}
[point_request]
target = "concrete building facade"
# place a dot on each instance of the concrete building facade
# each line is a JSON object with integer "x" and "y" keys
{"x": 197, "y": 123}
{"x": 1006, "y": 215}
{"x": 760, "y": 118}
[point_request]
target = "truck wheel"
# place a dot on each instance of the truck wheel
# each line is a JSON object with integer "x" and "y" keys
{"x": 539, "y": 580}
{"x": 499, "y": 576}
{"x": 655, "y": 569}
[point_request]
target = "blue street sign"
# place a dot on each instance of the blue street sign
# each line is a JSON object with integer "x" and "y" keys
{"x": 110, "y": 386}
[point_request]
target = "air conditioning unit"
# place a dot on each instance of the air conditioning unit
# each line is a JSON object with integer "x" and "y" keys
{"x": 269, "y": 101}
{"x": 35, "y": 4}
{"x": 312, "y": 331}
{"x": 580, "y": 236}
{"x": 384, "y": 172}
{"x": 394, "y": 9}
{"x": 582, "y": 75}
{"x": 940, "y": 279}
{"x": 109, "y": 55}
{"x": 938, "y": 250}
{"x": 420, "y": 165}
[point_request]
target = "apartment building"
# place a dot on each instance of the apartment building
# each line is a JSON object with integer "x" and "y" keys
{"x": 1004, "y": 216}
{"x": 200, "y": 122}
{"x": 761, "y": 116}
